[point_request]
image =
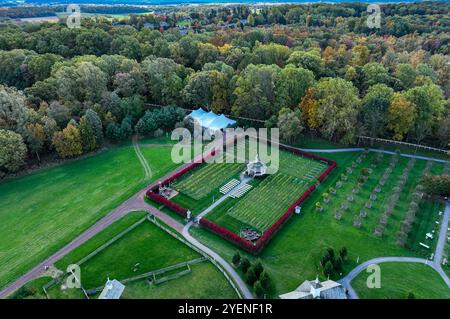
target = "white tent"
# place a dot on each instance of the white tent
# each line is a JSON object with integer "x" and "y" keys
{"x": 210, "y": 120}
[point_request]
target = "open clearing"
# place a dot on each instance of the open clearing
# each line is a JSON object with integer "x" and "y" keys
{"x": 400, "y": 279}
{"x": 142, "y": 249}
{"x": 43, "y": 211}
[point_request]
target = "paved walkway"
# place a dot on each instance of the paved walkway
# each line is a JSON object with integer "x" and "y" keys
{"x": 435, "y": 263}
{"x": 137, "y": 203}
{"x": 359, "y": 149}
{"x": 227, "y": 267}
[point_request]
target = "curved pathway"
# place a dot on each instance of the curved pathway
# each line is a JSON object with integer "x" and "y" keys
{"x": 137, "y": 203}
{"x": 227, "y": 267}
{"x": 147, "y": 169}
{"x": 376, "y": 150}
{"x": 435, "y": 263}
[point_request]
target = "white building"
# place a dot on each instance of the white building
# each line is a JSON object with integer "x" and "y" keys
{"x": 315, "y": 289}
{"x": 256, "y": 168}
{"x": 113, "y": 290}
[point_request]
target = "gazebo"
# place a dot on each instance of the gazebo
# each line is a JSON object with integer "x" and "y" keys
{"x": 256, "y": 168}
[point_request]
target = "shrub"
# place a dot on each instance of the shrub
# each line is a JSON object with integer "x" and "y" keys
{"x": 328, "y": 270}
{"x": 245, "y": 264}
{"x": 337, "y": 263}
{"x": 332, "y": 191}
{"x": 357, "y": 222}
{"x": 266, "y": 282}
{"x": 258, "y": 289}
{"x": 325, "y": 257}
{"x": 343, "y": 253}
{"x": 236, "y": 259}
{"x": 258, "y": 268}
{"x": 250, "y": 276}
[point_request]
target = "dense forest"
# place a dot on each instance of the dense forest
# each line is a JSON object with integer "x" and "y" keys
{"x": 304, "y": 68}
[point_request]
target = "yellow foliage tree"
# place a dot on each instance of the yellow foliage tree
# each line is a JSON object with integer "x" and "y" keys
{"x": 309, "y": 106}
{"x": 401, "y": 116}
{"x": 68, "y": 142}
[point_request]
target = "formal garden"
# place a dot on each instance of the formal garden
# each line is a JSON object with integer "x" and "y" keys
{"x": 253, "y": 213}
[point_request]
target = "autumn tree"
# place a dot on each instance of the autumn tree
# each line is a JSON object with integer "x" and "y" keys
{"x": 36, "y": 138}
{"x": 68, "y": 142}
{"x": 309, "y": 106}
{"x": 401, "y": 116}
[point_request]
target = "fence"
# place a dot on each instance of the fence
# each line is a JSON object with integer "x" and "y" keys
{"x": 212, "y": 260}
{"x": 111, "y": 241}
{"x": 416, "y": 146}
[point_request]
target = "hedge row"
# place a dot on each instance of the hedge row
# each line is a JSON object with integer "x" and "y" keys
{"x": 164, "y": 201}
{"x": 226, "y": 234}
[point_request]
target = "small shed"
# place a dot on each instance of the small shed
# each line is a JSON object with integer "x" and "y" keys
{"x": 113, "y": 290}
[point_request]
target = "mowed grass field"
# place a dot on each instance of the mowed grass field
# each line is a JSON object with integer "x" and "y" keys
{"x": 293, "y": 255}
{"x": 140, "y": 250}
{"x": 400, "y": 279}
{"x": 41, "y": 212}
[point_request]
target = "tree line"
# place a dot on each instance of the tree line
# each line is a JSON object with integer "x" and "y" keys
{"x": 70, "y": 90}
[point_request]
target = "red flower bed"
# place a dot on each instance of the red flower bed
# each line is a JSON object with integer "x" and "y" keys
{"x": 225, "y": 233}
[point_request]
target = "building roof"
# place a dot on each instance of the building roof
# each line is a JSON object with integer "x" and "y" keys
{"x": 113, "y": 290}
{"x": 329, "y": 289}
{"x": 211, "y": 120}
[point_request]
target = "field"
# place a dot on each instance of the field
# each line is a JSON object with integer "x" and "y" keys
{"x": 43, "y": 211}
{"x": 293, "y": 255}
{"x": 400, "y": 279}
{"x": 201, "y": 182}
{"x": 140, "y": 250}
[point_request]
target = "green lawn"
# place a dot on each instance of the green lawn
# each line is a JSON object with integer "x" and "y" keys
{"x": 200, "y": 182}
{"x": 41, "y": 212}
{"x": 293, "y": 254}
{"x": 400, "y": 279}
{"x": 147, "y": 246}
{"x": 203, "y": 282}
{"x": 144, "y": 248}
